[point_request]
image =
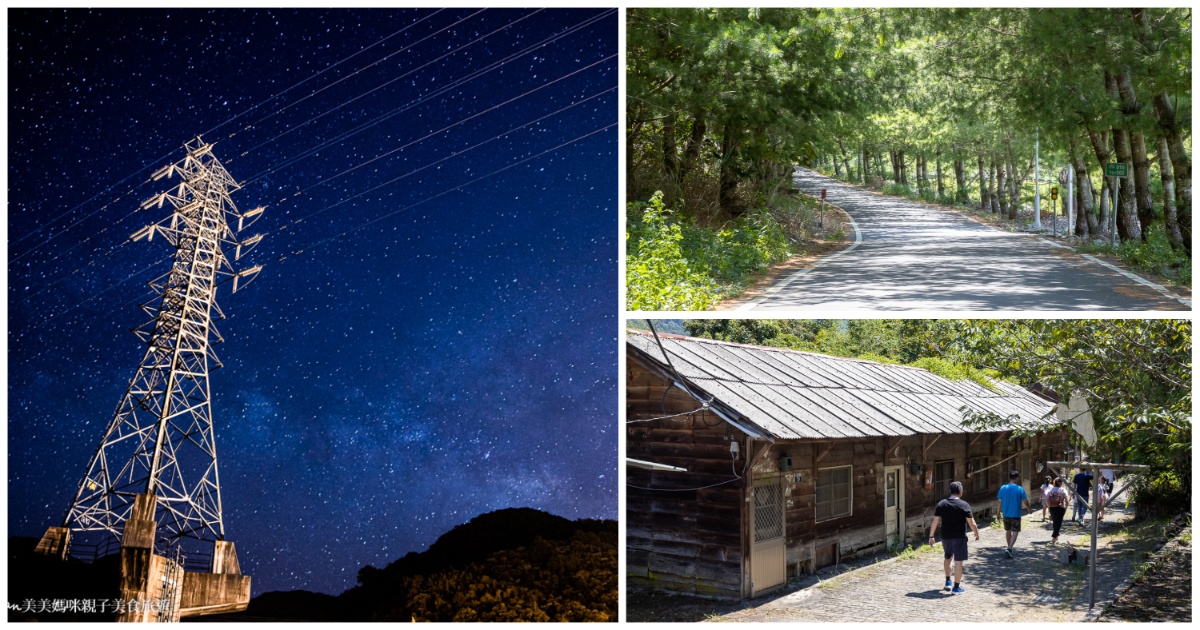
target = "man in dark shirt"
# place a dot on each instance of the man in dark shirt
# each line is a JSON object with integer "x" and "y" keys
{"x": 954, "y": 514}
{"x": 1083, "y": 485}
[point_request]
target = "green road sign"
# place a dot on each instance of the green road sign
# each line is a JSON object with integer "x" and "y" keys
{"x": 1116, "y": 169}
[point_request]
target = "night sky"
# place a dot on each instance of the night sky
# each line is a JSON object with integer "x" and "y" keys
{"x": 429, "y": 339}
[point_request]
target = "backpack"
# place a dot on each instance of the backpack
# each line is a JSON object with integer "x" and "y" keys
{"x": 1057, "y": 497}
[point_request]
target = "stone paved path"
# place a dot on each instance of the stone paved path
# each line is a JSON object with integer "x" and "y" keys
{"x": 1032, "y": 587}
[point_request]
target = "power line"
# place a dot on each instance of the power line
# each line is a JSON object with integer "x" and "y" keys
{"x": 311, "y": 77}
{"x": 168, "y": 155}
{"x": 289, "y": 105}
{"x": 420, "y": 100}
{"x": 292, "y": 197}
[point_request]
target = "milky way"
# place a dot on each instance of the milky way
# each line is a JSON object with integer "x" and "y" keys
{"x": 433, "y": 335}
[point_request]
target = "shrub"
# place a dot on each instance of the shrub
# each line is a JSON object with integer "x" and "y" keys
{"x": 674, "y": 264}
{"x": 657, "y": 273}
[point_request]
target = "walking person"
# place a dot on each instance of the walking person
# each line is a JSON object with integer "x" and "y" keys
{"x": 1013, "y": 501}
{"x": 1083, "y": 485}
{"x": 1046, "y": 486}
{"x": 1101, "y": 497}
{"x": 1057, "y": 499}
{"x": 954, "y": 515}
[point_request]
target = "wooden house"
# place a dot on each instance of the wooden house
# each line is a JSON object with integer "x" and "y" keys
{"x": 796, "y": 460}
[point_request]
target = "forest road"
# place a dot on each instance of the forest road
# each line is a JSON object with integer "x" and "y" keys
{"x": 912, "y": 257}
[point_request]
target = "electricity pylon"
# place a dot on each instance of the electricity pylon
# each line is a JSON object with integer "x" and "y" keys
{"x": 160, "y": 441}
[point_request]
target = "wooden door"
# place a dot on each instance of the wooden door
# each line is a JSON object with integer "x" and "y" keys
{"x": 893, "y": 507}
{"x": 768, "y": 555}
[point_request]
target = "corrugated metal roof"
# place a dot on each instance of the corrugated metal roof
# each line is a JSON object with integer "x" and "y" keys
{"x": 790, "y": 394}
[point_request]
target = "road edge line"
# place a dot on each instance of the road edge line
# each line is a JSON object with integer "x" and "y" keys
{"x": 1128, "y": 274}
{"x": 792, "y": 277}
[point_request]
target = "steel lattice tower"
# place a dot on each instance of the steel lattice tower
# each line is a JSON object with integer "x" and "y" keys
{"x": 160, "y": 441}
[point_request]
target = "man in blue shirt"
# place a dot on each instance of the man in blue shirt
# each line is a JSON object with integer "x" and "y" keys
{"x": 1012, "y": 500}
{"x": 1083, "y": 485}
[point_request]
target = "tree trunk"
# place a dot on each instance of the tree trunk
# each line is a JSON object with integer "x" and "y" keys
{"x": 1105, "y": 227}
{"x": 1181, "y": 164}
{"x": 984, "y": 204}
{"x": 1140, "y": 162}
{"x": 903, "y": 168}
{"x": 1103, "y": 153}
{"x": 994, "y": 190}
{"x": 937, "y": 156}
{"x": 1170, "y": 215}
{"x": 960, "y": 182}
{"x": 865, "y": 163}
{"x": 670, "y": 161}
{"x": 1141, "y": 181}
{"x": 728, "y": 191}
{"x": 1128, "y": 227}
{"x": 691, "y": 154}
{"x": 1085, "y": 214}
{"x": 1002, "y": 190}
{"x": 631, "y": 131}
{"x": 1014, "y": 197}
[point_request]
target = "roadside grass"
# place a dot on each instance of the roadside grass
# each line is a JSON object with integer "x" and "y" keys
{"x": 677, "y": 262}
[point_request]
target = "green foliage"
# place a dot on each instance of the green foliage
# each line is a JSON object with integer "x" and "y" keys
{"x": 1154, "y": 255}
{"x": 1137, "y": 375}
{"x": 900, "y": 190}
{"x": 674, "y": 264}
{"x": 658, "y": 274}
{"x": 956, "y": 371}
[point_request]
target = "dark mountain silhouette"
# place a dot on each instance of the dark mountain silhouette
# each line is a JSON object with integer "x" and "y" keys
{"x": 517, "y": 564}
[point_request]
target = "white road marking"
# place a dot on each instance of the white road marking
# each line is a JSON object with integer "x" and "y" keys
{"x": 792, "y": 277}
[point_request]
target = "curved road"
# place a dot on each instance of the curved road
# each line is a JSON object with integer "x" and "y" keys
{"x": 916, "y": 258}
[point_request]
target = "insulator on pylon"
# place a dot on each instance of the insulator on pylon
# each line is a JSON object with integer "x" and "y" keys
{"x": 146, "y": 232}
{"x": 250, "y": 273}
{"x": 156, "y": 199}
{"x": 248, "y": 245}
{"x": 248, "y": 214}
{"x": 165, "y": 171}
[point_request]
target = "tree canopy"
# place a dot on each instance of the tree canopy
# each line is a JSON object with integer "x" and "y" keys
{"x": 721, "y": 102}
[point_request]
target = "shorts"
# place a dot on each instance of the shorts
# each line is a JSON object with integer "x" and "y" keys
{"x": 955, "y": 547}
{"x": 1012, "y": 524}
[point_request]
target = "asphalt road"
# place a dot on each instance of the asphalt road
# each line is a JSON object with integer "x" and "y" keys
{"x": 916, "y": 258}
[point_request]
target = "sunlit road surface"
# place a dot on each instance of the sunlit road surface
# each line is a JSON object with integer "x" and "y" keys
{"x": 915, "y": 258}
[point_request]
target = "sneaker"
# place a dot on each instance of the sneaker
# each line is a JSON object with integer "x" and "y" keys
{"x": 1008, "y": 551}
{"x": 948, "y": 583}
{"x": 958, "y": 590}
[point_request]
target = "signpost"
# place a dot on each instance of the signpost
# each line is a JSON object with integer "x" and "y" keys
{"x": 1078, "y": 415}
{"x": 1116, "y": 170}
{"x": 1037, "y": 183}
{"x": 821, "y": 217}
{"x": 1054, "y": 199}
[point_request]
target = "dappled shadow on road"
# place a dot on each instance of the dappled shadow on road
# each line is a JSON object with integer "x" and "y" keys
{"x": 912, "y": 257}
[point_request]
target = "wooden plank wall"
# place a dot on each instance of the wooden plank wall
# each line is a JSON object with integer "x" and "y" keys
{"x": 862, "y": 532}
{"x": 688, "y": 541}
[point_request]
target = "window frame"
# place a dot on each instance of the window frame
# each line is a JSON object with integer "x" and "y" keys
{"x": 937, "y": 483}
{"x": 823, "y": 474}
{"x": 979, "y": 471}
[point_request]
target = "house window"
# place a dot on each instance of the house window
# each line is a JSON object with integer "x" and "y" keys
{"x": 835, "y": 492}
{"x": 979, "y": 478}
{"x": 943, "y": 474}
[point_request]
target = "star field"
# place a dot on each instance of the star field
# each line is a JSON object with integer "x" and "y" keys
{"x": 433, "y": 334}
